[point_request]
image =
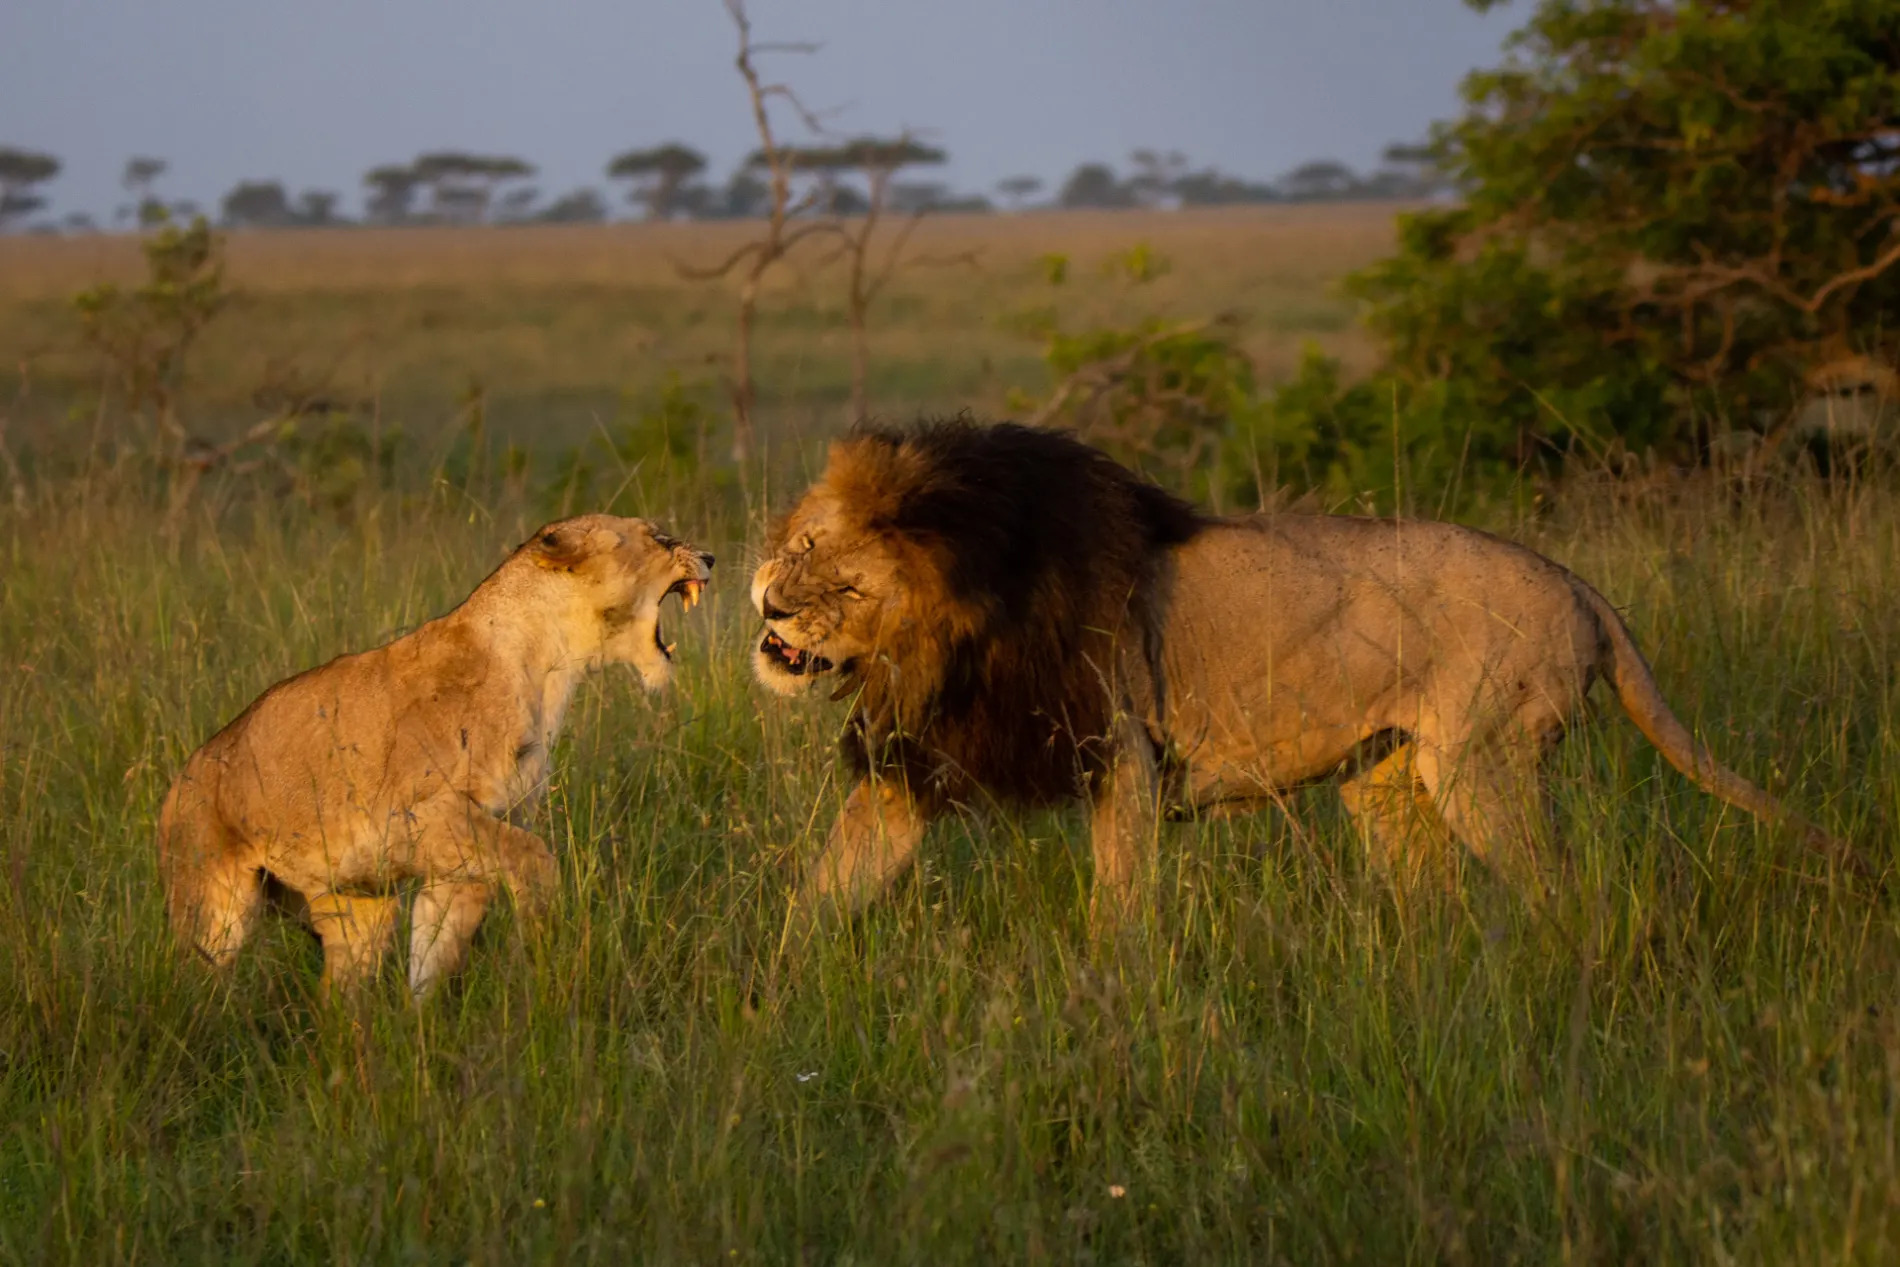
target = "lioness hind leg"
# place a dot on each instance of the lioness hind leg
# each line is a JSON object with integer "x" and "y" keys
{"x": 213, "y": 910}
{"x": 1406, "y": 840}
{"x": 442, "y": 925}
{"x": 356, "y": 933}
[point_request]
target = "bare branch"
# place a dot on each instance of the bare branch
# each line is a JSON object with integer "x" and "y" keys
{"x": 717, "y": 271}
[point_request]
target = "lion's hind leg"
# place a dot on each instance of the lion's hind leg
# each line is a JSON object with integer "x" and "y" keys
{"x": 1492, "y": 797}
{"x": 1406, "y": 839}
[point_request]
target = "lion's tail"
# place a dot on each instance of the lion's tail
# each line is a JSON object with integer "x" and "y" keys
{"x": 1642, "y": 699}
{"x": 213, "y": 892}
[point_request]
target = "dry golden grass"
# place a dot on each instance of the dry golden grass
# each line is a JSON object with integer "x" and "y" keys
{"x": 556, "y": 323}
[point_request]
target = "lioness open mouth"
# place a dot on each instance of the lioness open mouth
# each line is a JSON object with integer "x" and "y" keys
{"x": 689, "y": 589}
{"x": 795, "y": 660}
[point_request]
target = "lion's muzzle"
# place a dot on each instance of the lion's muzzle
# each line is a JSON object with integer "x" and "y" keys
{"x": 789, "y": 659}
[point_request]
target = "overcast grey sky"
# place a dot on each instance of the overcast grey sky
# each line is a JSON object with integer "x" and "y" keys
{"x": 314, "y": 94}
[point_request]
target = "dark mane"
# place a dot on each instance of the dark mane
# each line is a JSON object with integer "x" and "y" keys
{"x": 1050, "y": 548}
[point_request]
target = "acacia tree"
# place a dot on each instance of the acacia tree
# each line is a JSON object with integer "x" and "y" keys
{"x": 462, "y": 186}
{"x": 258, "y": 204}
{"x": 1676, "y": 210}
{"x": 392, "y": 193}
{"x": 139, "y": 179}
{"x": 317, "y": 208}
{"x": 657, "y": 176}
{"x": 877, "y": 160}
{"x": 1095, "y": 185}
{"x": 21, "y": 172}
{"x": 1019, "y": 189}
{"x": 1156, "y": 175}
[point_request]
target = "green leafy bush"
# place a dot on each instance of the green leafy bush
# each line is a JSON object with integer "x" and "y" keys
{"x": 1675, "y": 215}
{"x": 144, "y": 333}
{"x": 1167, "y": 397}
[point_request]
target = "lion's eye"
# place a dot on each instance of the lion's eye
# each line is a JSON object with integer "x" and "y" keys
{"x": 804, "y": 543}
{"x": 851, "y": 593}
{"x": 549, "y": 540}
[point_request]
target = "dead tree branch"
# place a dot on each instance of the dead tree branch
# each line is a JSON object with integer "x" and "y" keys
{"x": 756, "y": 258}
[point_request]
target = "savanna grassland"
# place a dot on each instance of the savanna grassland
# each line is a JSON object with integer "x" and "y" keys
{"x": 1691, "y": 1054}
{"x": 554, "y": 326}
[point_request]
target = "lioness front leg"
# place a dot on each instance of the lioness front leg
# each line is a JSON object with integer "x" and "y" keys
{"x": 462, "y": 853}
{"x": 457, "y": 840}
{"x": 1122, "y": 829}
{"x": 873, "y": 840}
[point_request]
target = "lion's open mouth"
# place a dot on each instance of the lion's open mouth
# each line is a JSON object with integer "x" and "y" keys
{"x": 689, "y": 589}
{"x": 794, "y": 660}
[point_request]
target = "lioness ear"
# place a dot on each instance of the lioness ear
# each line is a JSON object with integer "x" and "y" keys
{"x": 558, "y": 547}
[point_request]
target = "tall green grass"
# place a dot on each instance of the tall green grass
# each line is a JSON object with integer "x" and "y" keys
{"x": 1692, "y": 1054}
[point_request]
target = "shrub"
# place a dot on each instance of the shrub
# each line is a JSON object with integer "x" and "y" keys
{"x": 1674, "y": 214}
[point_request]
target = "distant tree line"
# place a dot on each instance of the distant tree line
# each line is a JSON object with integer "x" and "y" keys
{"x": 670, "y": 182}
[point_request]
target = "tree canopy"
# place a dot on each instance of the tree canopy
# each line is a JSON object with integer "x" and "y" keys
{"x": 1674, "y": 214}
{"x": 20, "y": 172}
{"x": 658, "y": 175}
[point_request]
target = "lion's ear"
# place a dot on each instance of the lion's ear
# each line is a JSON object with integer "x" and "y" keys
{"x": 558, "y": 546}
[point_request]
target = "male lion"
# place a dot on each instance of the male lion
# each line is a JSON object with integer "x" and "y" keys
{"x": 419, "y": 759}
{"x": 1013, "y": 612}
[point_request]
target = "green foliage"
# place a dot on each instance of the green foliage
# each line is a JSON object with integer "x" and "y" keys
{"x": 1166, "y": 397}
{"x": 145, "y": 332}
{"x": 653, "y": 458}
{"x": 331, "y": 458}
{"x": 1674, "y": 214}
{"x": 667, "y": 429}
{"x": 1139, "y": 263}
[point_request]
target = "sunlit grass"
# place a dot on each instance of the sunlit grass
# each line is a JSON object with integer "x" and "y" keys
{"x": 1691, "y": 1055}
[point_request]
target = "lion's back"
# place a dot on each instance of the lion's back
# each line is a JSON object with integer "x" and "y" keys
{"x": 1290, "y": 639}
{"x": 1446, "y": 576}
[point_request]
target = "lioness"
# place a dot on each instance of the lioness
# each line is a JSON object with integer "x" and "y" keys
{"x": 1010, "y": 611}
{"x": 419, "y": 759}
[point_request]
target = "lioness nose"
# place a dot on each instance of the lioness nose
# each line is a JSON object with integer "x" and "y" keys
{"x": 705, "y": 556}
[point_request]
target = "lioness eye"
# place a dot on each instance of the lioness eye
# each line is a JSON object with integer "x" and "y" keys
{"x": 549, "y": 540}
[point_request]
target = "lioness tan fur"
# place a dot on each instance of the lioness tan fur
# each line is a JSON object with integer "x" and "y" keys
{"x": 419, "y": 760}
{"x": 1013, "y": 614}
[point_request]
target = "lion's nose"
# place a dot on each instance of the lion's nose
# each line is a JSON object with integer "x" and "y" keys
{"x": 771, "y": 610}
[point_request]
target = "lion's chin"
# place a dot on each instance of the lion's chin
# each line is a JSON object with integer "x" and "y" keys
{"x": 777, "y": 680}
{"x": 785, "y": 669}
